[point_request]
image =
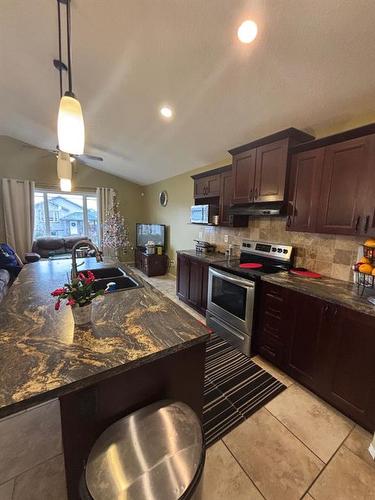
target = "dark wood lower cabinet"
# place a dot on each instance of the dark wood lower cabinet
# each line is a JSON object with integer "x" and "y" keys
{"x": 349, "y": 381}
{"x": 86, "y": 413}
{"x": 151, "y": 265}
{"x": 328, "y": 348}
{"x": 192, "y": 282}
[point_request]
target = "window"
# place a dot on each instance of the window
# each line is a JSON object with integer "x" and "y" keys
{"x": 61, "y": 215}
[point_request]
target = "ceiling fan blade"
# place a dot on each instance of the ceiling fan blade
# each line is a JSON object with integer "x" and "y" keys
{"x": 88, "y": 157}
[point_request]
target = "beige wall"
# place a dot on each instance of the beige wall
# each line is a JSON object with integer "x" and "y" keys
{"x": 20, "y": 161}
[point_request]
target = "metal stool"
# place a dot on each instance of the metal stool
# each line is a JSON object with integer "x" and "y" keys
{"x": 156, "y": 453}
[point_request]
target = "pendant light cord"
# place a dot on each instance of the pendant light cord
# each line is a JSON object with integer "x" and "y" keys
{"x": 68, "y": 23}
{"x": 60, "y": 55}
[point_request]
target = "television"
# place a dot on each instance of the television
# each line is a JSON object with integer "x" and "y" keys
{"x": 150, "y": 232}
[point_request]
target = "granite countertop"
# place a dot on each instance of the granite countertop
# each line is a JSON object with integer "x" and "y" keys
{"x": 329, "y": 289}
{"x": 43, "y": 355}
{"x": 206, "y": 257}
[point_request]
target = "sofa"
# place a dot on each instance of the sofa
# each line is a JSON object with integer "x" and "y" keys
{"x": 49, "y": 247}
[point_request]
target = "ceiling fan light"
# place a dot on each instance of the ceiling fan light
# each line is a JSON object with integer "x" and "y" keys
{"x": 70, "y": 126}
{"x": 66, "y": 185}
{"x": 64, "y": 166}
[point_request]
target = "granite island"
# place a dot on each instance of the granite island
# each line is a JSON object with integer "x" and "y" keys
{"x": 140, "y": 347}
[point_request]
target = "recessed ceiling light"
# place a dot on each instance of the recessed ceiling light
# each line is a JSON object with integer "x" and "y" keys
{"x": 166, "y": 112}
{"x": 247, "y": 32}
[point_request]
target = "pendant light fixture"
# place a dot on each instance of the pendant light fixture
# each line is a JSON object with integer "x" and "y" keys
{"x": 70, "y": 125}
{"x": 64, "y": 171}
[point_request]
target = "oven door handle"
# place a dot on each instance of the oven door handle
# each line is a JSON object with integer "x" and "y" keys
{"x": 233, "y": 279}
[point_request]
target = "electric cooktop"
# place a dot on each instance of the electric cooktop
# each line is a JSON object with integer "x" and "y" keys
{"x": 258, "y": 258}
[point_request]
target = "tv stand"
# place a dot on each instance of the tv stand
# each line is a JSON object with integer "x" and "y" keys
{"x": 151, "y": 265}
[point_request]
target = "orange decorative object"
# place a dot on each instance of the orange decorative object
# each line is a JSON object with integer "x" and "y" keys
{"x": 365, "y": 268}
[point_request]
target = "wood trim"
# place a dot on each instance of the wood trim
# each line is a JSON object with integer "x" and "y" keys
{"x": 295, "y": 136}
{"x": 335, "y": 138}
{"x": 215, "y": 171}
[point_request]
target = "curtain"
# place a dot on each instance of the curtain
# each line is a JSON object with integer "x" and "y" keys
{"x": 18, "y": 207}
{"x": 105, "y": 198}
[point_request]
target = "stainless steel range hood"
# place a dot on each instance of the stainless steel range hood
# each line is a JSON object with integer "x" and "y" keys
{"x": 260, "y": 209}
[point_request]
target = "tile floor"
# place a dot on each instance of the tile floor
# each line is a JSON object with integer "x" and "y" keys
{"x": 295, "y": 447}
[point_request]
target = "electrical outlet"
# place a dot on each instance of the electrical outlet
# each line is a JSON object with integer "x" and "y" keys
{"x": 200, "y": 235}
{"x": 172, "y": 262}
{"x": 226, "y": 238}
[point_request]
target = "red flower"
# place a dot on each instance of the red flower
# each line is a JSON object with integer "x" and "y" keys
{"x": 57, "y": 305}
{"x": 90, "y": 278}
{"x": 57, "y": 292}
{"x": 81, "y": 276}
{"x": 70, "y": 302}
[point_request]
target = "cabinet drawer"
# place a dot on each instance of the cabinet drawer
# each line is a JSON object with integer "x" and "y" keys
{"x": 273, "y": 304}
{"x": 272, "y": 350}
{"x": 272, "y": 326}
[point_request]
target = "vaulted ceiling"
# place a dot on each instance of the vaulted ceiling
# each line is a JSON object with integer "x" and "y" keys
{"x": 312, "y": 64}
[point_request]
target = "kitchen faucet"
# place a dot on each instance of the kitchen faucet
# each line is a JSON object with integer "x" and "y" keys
{"x": 98, "y": 254}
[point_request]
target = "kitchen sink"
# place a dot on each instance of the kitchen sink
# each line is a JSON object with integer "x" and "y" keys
{"x": 105, "y": 275}
{"x": 122, "y": 283}
{"x": 105, "y": 272}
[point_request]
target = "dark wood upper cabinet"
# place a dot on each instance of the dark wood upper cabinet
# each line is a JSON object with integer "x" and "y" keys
{"x": 260, "y": 168}
{"x": 244, "y": 177}
{"x": 216, "y": 186}
{"x": 368, "y": 228}
{"x": 305, "y": 180}
{"x": 344, "y": 187}
{"x": 207, "y": 186}
{"x": 226, "y": 193}
{"x": 270, "y": 172}
{"x": 226, "y": 197}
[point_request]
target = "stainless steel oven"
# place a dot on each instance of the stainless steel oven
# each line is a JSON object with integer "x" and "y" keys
{"x": 230, "y": 307}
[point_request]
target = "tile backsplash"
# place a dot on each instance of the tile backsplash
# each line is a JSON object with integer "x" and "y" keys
{"x": 330, "y": 255}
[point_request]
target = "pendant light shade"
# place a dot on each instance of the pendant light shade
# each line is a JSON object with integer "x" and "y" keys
{"x": 70, "y": 126}
{"x": 64, "y": 171}
{"x": 66, "y": 185}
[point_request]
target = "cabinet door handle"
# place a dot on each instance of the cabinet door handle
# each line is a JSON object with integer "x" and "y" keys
{"x": 251, "y": 194}
{"x": 357, "y": 223}
{"x": 367, "y": 223}
{"x": 335, "y": 312}
{"x": 288, "y": 221}
{"x": 256, "y": 194}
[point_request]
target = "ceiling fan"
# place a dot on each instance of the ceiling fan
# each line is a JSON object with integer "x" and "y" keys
{"x": 83, "y": 158}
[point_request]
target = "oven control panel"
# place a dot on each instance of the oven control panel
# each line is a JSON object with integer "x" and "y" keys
{"x": 271, "y": 250}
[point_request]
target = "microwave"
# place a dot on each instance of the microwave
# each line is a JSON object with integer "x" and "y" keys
{"x": 204, "y": 214}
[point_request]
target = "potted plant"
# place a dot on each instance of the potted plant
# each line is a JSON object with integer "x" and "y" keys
{"x": 79, "y": 294}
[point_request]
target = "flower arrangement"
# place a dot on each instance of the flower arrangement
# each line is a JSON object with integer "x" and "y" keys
{"x": 79, "y": 292}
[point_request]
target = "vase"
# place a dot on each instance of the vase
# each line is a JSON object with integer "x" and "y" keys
{"x": 82, "y": 315}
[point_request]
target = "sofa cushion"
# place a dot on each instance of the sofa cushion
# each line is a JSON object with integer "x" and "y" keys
{"x": 49, "y": 244}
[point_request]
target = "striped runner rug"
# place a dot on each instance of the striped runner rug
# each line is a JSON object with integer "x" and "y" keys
{"x": 234, "y": 388}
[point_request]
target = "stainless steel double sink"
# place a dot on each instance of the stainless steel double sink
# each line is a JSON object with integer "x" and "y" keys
{"x": 106, "y": 275}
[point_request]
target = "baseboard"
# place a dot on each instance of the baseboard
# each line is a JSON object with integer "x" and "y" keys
{"x": 371, "y": 449}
